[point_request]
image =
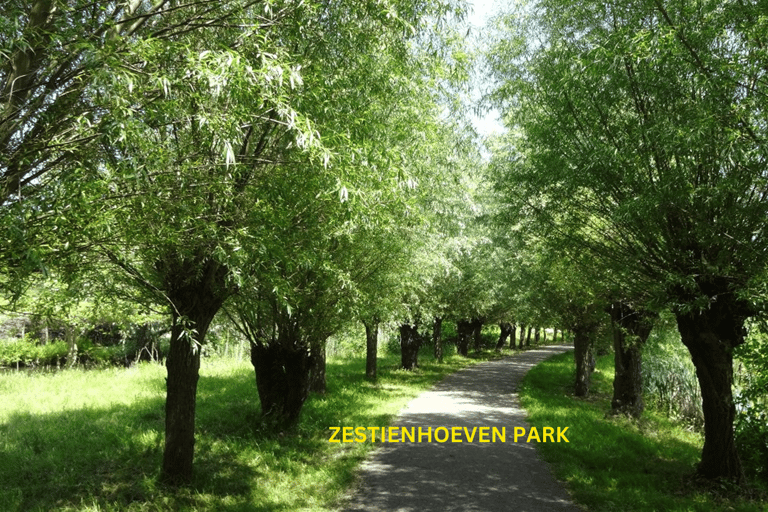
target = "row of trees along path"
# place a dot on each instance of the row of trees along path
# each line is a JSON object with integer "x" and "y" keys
{"x": 241, "y": 157}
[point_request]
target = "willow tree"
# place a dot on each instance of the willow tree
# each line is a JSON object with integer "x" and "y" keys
{"x": 51, "y": 56}
{"x": 238, "y": 160}
{"x": 131, "y": 131}
{"x": 196, "y": 123}
{"x": 643, "y": 120}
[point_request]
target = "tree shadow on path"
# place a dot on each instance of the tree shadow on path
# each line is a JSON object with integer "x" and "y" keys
{"x": 465, "y": 476}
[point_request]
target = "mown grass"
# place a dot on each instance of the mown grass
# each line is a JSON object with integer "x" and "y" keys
{"x": 92, "y": 440}
{"x": 618, "y": 464}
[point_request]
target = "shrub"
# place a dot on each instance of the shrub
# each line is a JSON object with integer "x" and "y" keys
{"x": 24, "y": 352}
{"x": 669, "y": 377}
{"x": 751, "y": 397}
{"x": 16, "y": 352}
{"x": 52, "y": 354}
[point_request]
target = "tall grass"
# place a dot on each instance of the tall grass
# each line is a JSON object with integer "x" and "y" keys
{"x": 92, "y": 440}
{"x": 669, "y": 377}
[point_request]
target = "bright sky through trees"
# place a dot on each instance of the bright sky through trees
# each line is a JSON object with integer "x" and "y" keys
{"x": 480, "y": 11}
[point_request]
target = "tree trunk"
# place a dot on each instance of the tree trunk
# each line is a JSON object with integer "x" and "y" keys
{"x": 464, "y": 332}
{"x": 70, "y": 335}
{"x": 522, "y": 336}
{"x": 554, "y": 335}
{"x": 583, "y": 356}
{"x": 183, "y": 365}
{"x": 628, "y": 379}
{"x": 710, "y": 337}
{"x": 283, "y": 373}
{"x": 528, "y": 337}
{"x": 477, "y": 333}
{"x": 537, "y": 336}
{"x": 437, "y": 338}
{"x": 198, "y": 302}
{"x": 317, "y": 373}
{"x": 371, "y": 348}
{"x": 409, "y": 346}
{"x": 506, "y": 330}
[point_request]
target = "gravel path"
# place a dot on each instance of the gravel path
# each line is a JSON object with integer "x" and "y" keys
{"x": 447, "y": 476}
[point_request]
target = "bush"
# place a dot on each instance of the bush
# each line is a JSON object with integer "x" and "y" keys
{"x": 52, "y": 354}
{"x": 89, "y": 352}
{"x": 751, "y": 430}
{"x": 669, "y": 377}
{"x": 24, "y": 352}
{"x": 16, "y": 352}
{"x": 751, "y": 397}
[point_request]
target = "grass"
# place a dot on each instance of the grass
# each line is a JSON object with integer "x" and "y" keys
{"x": 619, "y": 464}
{"x": 92, "y": 440}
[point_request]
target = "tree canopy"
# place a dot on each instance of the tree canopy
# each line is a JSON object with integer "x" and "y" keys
{"x": 303, "y": 165}
{"x": 641, "y": 142}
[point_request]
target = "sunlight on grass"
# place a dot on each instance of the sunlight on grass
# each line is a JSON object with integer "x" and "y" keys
{"x": 43, "y": 393}
{"x": 92, "y": 440}
{"x": 616, "y": 464}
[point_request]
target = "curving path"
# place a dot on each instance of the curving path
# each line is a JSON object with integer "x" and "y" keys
{"x": 465, "y": 476}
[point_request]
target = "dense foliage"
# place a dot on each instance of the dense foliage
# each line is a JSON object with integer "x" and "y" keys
{"x": 281, "y": 170}
{"x": 637, "y": 138}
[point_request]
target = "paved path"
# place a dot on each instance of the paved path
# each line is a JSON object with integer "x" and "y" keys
{"x": 465, "y": 477}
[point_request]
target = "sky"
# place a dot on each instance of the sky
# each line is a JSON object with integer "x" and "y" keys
{"x": 480, "y": 12}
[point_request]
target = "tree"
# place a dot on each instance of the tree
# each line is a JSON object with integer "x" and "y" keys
{"x": 371, "y": 347}
{"x": 54, "y": 55}
{"x": 642, "y": 121}
{"x": 628, "y": 377}
{"x": 193, "y": 119}
{"x": 227, "y": 152}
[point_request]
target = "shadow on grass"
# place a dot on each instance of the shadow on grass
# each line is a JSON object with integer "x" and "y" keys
{"x": 108, "y": 457}
{"x": 63, "y": 458}
{"x": 99, "y": 456}
{"x": 616, "y": 463}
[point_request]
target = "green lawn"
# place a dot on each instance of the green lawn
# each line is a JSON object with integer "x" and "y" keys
{"x": 618, "y": 464}
{"x": 92, "y": 440}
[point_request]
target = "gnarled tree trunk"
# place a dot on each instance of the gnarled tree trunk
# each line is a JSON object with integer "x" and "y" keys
{"x": 437, "y": 338}
{"x": 477, "y": 333}
{"x": 197, "y": 301}
{"x": 317, "y": 373}
{"x": 505, "y": 331}
{"x": 464, "y": 332}
{"x": 628, "y": 379}
{"x": 710, "y": 337}
{"x": 409, "y": 346}
{"x": 283, "y": 358}
{"x": 512, "y": 341}
{"x": 583, "y": 338}
{"x": 283, "y": 373}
